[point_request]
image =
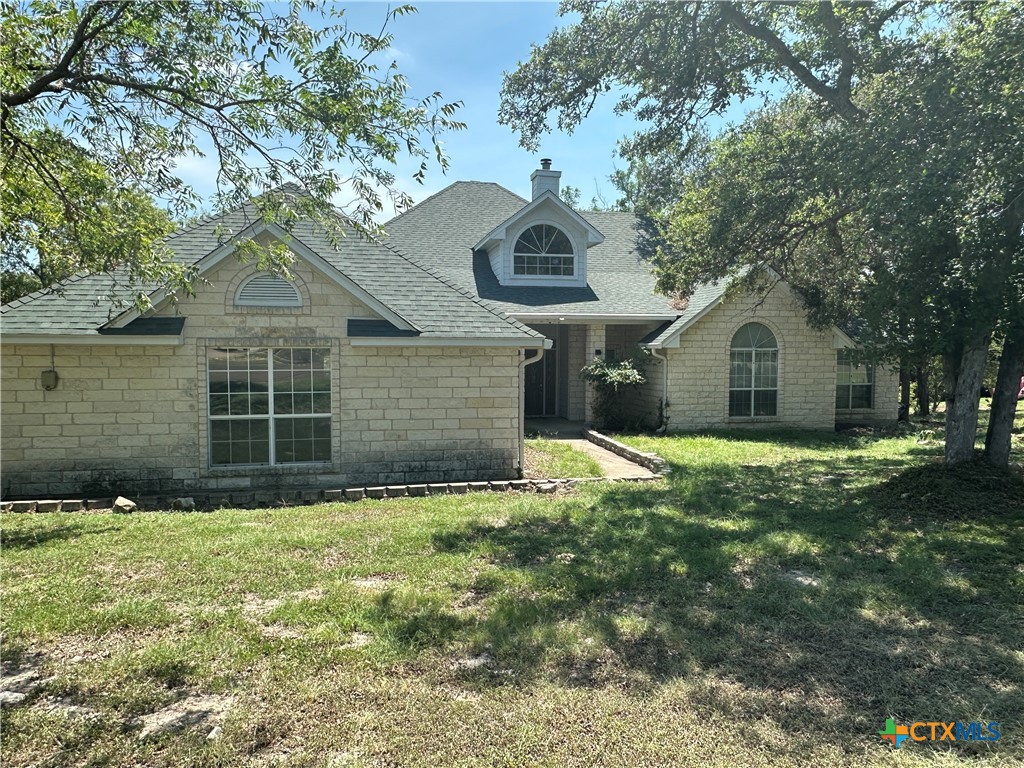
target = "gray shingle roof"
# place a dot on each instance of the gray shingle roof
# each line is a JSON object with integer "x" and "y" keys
{"x": 430, "y": 302}
{"x": 703, "y": 299}
{"x": 442, "y": 230}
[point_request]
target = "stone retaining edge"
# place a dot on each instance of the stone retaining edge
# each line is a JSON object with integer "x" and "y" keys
{"x": 651, "y": 461}
{"x": 263, "y": 499}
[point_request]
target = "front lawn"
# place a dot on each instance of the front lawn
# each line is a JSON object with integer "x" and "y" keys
{"x": 546, "y": 459}
{"x": 770, "y": 605}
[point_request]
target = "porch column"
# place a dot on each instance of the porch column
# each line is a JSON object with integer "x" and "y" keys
{"x": 595, "y": 340}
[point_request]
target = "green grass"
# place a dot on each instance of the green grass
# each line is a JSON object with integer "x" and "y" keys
{"x": 657, "y": 624}
{"x": 557, "y": 459}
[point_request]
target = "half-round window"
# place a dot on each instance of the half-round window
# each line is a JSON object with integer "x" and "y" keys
{"x": 753, "y": 372}
{"x": 544, "y": 250}
{"x": 265, "y": 290}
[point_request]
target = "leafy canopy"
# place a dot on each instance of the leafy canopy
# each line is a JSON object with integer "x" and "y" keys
{"x": 101, "y": 103}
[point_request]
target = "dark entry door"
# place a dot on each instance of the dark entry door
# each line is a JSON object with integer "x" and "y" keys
{"x": 541, "y": 386}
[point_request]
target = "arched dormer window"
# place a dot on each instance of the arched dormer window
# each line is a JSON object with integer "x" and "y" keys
{"x": 266, "y": 290}
{"x": 753, "y": 372}
{"x": 546, "y": 250}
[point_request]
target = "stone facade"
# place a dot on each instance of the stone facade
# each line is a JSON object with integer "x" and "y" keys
{"x": 698, "y": 370}
{"x": 133, "y": 419}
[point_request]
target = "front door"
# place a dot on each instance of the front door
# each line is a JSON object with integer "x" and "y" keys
{"x": 541, "y": 387}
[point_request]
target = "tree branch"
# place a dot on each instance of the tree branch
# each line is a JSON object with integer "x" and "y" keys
{"x": 840, "y": 103}
{"x": 83, "y": 35}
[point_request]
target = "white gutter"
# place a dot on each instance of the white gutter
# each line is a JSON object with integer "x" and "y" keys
{"x": 664, "y": 386}
{"x": 522, "y": 403}
{"x": 106, "y": 340}
{"x": 446, "y": 341}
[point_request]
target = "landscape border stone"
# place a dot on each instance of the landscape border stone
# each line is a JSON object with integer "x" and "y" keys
{"x": 651, "y": 461}
{"x": 316, "y": 496}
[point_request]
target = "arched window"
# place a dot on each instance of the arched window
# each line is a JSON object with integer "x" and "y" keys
{"x": 543, "y": 250}
{"x": 266, "y": 290}
{"x": 753, "y": 372}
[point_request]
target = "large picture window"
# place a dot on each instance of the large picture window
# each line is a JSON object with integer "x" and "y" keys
{"x": 543, "y": 250}
{"x": 854, "y": 383}
{"x": 269, "y": 406}
{"x": 753, "y": 372}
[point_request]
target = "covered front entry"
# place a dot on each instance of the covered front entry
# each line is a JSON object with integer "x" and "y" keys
{"x": 547, "y": 382}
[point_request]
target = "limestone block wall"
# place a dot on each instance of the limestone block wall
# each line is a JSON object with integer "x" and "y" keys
{"x": 578, "y": 358}
{"x": 133, "y": 419}
{"x": 698, "y": 390}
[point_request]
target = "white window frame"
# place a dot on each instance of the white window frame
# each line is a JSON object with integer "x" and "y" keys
{"x": 529, "y": 276}
{"x": 843, "y": 360}
{"x": 270, "y": 416}
{"x": 753, "y": 389}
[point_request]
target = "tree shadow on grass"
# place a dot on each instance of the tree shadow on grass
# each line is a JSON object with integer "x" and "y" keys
{"x": 809, "y": 586}
{"x": 30, "y": 538}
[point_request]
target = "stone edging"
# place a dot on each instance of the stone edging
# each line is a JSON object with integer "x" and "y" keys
{"x": 290, "y": 497}
{"x": 651, "y": 461}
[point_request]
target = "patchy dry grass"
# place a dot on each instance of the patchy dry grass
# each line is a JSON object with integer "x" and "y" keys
{"x": 553, "y": 458}
{"x": 769, "y": 605}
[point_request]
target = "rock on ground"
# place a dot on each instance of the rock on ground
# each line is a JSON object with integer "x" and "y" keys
{"x": 124, "y": 506}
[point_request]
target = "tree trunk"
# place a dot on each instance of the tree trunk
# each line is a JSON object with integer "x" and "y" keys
{"x": 923, "y": 401}
{"x": 1004, "y": 402}
{"x": 904, "y": 412}
{"x": 963, "y": 377}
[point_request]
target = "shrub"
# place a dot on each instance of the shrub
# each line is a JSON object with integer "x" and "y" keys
{"x": 611, "y": 383}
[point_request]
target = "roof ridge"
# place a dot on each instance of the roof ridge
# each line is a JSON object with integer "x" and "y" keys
{"x": 426, "y": 200}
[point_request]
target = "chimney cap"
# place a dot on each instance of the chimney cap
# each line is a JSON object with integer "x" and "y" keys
{"x": 545, "y": 164}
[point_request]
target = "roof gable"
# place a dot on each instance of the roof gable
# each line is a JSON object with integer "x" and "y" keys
{"x": 407, "y": 294}
{"x": 443, "y": 229}
{"x": 547, "y": 199}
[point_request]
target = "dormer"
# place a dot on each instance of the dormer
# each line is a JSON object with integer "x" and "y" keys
{"x": 545, "y": 242}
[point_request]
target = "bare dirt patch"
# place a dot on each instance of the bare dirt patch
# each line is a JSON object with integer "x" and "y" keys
{"x": 335, "y": 558}
{"x": 195, "y": 711}
{"x": 377, "y": 580}
{"x": 358, "y": 640}
{"x": 254, "y": 606}
{"x": 279, "y": 631}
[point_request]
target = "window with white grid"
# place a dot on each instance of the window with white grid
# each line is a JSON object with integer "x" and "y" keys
{"x": 269, "y": 406}
{"x": 753, "y": 372}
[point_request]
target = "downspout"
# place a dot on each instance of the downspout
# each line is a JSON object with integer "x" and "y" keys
{"x": 664, "y": 389}
{"x": 522, "y": 405}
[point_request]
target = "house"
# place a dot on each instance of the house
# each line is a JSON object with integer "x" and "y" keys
{"x": 410, "y": 360}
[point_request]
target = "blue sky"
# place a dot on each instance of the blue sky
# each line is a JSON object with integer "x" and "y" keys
{"x": 462, "y": 49}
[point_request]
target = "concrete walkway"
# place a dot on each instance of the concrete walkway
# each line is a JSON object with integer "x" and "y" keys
{"x": 612, "y": 465}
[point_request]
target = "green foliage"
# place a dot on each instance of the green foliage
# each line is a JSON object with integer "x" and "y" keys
{"x": 42, "y": 244}
{"x": 675, "y": 64}
{"x": 612, "y": 381}
{"x": 101, "y": 103}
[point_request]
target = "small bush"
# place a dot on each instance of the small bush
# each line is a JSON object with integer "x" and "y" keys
{"x": 611, "y": 383}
